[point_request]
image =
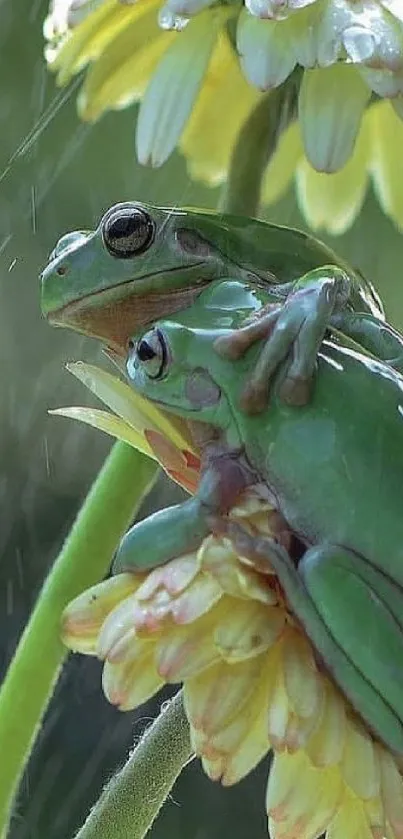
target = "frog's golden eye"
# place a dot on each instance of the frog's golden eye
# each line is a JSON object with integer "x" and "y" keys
{"x": 127, "y": 230}
{"x": 151, "y": 353}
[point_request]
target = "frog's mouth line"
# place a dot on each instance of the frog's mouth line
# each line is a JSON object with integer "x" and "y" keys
{"x": 114, "y": 320}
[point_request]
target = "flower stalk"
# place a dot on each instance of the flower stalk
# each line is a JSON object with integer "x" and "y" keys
{"x": 133, "y": 798}
{"x": 255, "y": 146}
{"x": 124, "y": 480}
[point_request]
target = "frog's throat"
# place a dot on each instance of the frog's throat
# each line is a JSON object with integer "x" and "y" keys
{"x": 117, "y": 320}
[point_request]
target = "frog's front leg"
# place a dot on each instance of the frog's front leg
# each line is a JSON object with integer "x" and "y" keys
{"x": 353, "y": 615}
{"x": 294, "y": 330}
{"x": 180, "y": 529}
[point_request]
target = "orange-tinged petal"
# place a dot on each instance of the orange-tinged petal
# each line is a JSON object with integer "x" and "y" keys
{"x": 128, "y": 404}
{"x": 213, "y": 698}
{"x": 360, "y": 765}
{"x": 130, "y": 683}
{"x": 184, "y": 651}
{"x": 174, "y": 577}
{"x": 293, "y": 785}
{"x": 117, "y": 624}
{"x": 251, "y": 629}
{"x": 84, "y": 616}
{"x": 326, "y": 745}
{"x": 301, "y": 679}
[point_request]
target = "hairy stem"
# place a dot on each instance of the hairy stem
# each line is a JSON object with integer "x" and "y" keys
{"x": 84, "y": 559}
{"x": 132, "y": 799}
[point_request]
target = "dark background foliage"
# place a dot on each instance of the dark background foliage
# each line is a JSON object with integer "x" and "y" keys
{"x": 57, "y": 174}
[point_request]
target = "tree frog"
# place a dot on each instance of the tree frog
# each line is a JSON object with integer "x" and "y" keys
{"x": 333, "y": 468}
{"x": 144, "y": 262}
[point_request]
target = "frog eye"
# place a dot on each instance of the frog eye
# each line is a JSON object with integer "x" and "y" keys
{"x": 151, "y": 354}
{"x": 127, "y": 230}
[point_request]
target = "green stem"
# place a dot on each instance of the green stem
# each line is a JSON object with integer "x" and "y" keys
{"x": 84, "y": 559}
{"x": 256, "y": 143}
{"x": 134, "y": 797}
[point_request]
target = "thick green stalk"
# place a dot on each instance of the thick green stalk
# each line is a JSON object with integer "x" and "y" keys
{"x": 256, "y": 143}
{"x": 84, "y": 559}
{"x": 133, "y": 798}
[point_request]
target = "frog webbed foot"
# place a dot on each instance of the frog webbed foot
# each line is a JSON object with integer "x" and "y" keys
{"x": 292, "y": 332}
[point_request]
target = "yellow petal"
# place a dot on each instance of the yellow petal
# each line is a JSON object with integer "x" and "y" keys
{"x": 301, "y": 800}
{"x": 218, "y": 558}
{"x": 350, "y": 820}
{"x": 110, "y": 424}
{"x": 387, "y": 134}
{"x": 174, "y": 576}
{"x": 326, "y": 745}
{"x": 90, "y": 38}
{"x": 224, "y": 103}
{"x": 184, "y": 651}
{"x": 123, "y": 69}
{"x": 392, "y": 791}
{"x": 85, "y": 615}
{"x": 213, "y": 698}
{"x": 137, "y": 411}
{"x": 332, "y": 201}
{"x": 250, "y": 630}
{"x": 301, "y": 678}
{"x": 360, "y": 765}
{"x": 282, "y": 166}
{"x": 130, "y": 683}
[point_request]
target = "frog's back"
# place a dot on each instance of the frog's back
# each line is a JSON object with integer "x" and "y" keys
{"x": 336, "y": 465}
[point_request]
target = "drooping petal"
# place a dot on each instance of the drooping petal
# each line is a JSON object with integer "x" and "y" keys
{"x": 392, "y": 791}
{"x": 121, "y": 73}
{"x": 185, "y": 651}
{"x": 326, "y": 745}
{"x": 252, "y": 629}
{"x": 387, "y": 143}
{"x": 266, "y": 50}
{"x": 214, "y": 698}
{"x": 301, "y": 679}
{"x": 292, "y": 787}
{"x": 223, "y": 104}
{"x": 330, "y": 119}
{"x": 84, "y": 616}
{"x": 173, "y": 88}
{"x": 332, "y": 202}
{"x": 218, "y": 557}
{"x": 130, "y": 683}
{"x": 360, "y": 765}
{"x": 89, "y": 39}
{"x": 350, "y": 820}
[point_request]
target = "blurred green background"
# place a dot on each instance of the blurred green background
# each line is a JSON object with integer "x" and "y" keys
{"x": 56, "y": 175}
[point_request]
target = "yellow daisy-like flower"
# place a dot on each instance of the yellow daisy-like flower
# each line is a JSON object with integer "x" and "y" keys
{"x": 220, "y": 625}
{"x": 199, "y": 68}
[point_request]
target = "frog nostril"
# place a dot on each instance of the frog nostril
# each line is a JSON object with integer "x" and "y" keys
{"x": 61, "y": 270}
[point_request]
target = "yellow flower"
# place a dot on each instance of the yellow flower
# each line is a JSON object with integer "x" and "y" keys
{"x": 199, "y": 68}
{"x": 332, "y": 202}
{"x": 220, "y": 625}
{"x": 213, "y": 622}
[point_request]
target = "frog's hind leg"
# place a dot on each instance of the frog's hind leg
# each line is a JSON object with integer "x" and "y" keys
{"x": 353, "y": 615}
